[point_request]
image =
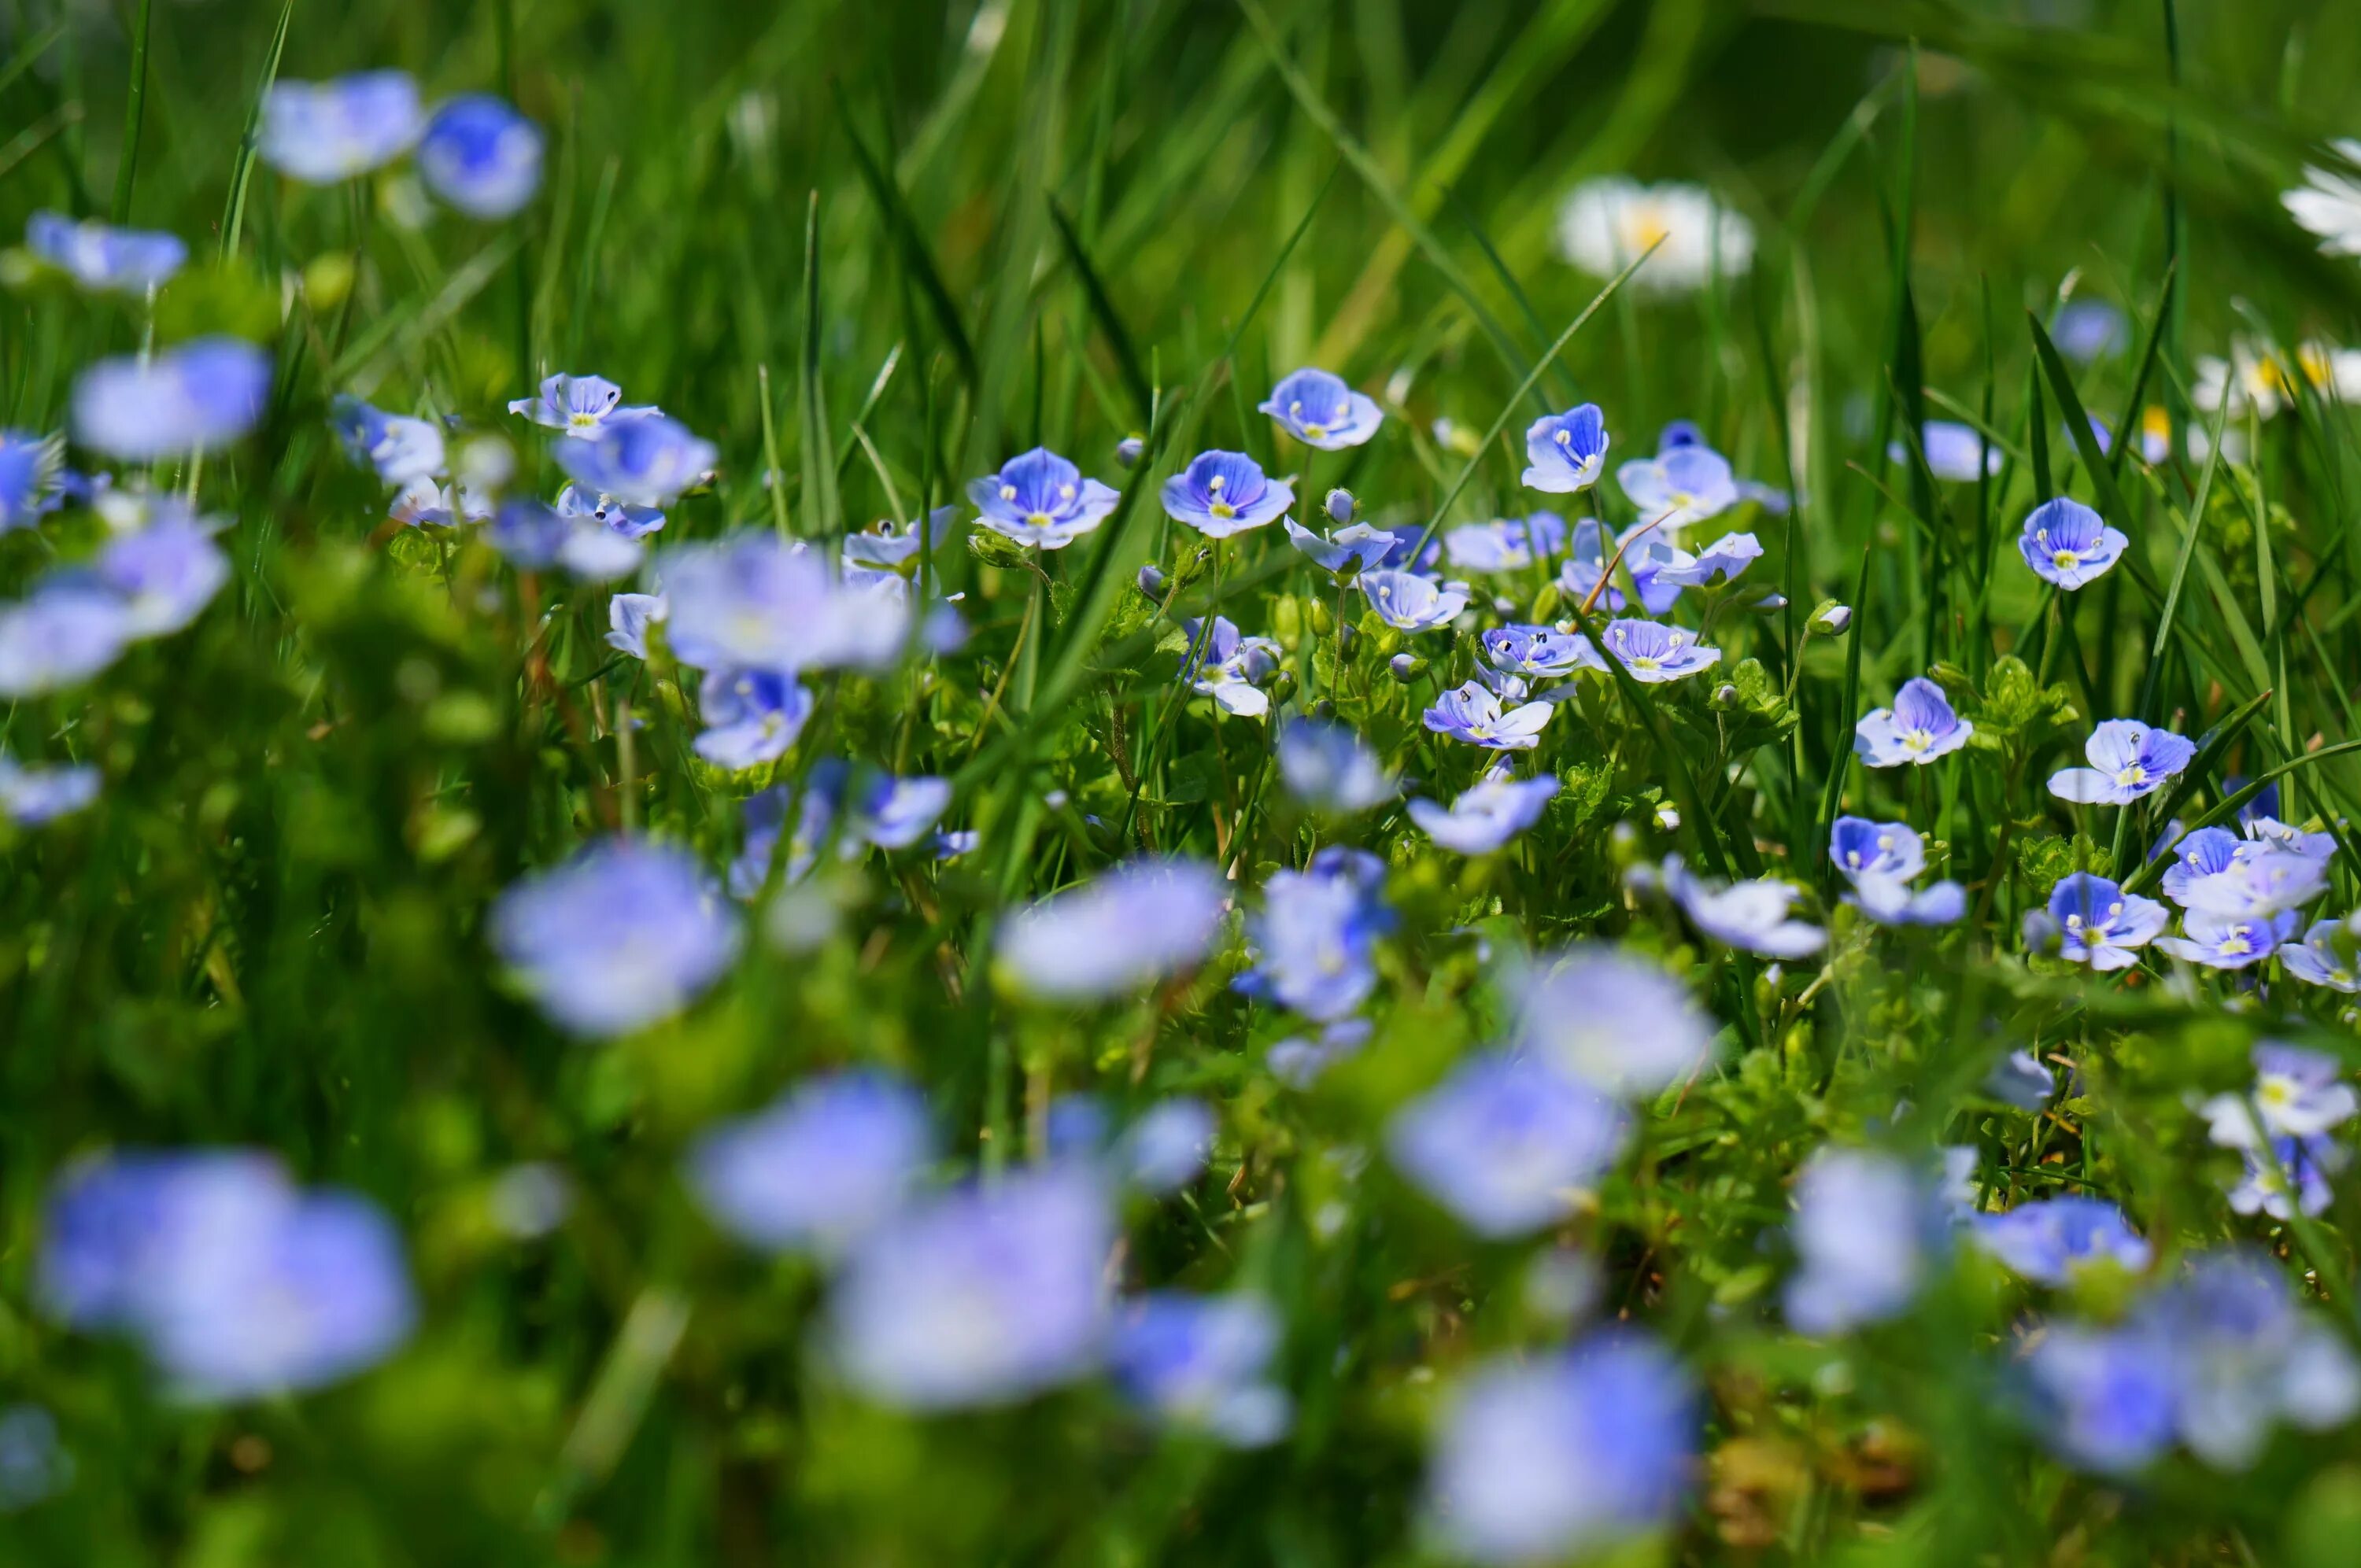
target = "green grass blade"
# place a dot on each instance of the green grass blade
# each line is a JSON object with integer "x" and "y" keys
{"x": 1126, "y": 357}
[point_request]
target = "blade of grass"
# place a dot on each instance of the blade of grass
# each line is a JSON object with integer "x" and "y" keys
{"x": 241, "y": 174}
{"x": 1126, "y": 357}
{"x": 902, "y": 225}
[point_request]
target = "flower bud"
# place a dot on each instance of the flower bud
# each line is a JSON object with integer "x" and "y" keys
{"x": 1406, "y": 667}
{"x": 1668, "y": 816}
{"x": 1340, "y": 505}
{"x": 1321, "y": 621}
{"x": 1127, "y": 451}
{"x": 1282, "y": 686}
{"x": 1152, "y": 581}
{"x": 1830, "y": 620}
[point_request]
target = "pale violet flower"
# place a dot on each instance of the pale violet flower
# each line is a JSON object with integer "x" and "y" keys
{"x": 1655, "y": 653}
{"x": 2100, "y": 925}
{"x": 102, "y": 257}
{"x": 1351, "y": 548}
{"x": 1504, "y": 545}
{"x": 1725, "y": 558}
{"x": 481, "y": 156}
{"x": 199, "y": 396}
{"x": 1610, "y": 223}
{"x": 1201, "y": 1363}
{"x": 1320, "y": 410}
{"x": 324, "y": 132}
{"x": 422, "y": 503}
{"x": 2325, "y": 956}
{"x": 630, "y": 616}
{"x": 1229, "y": 668}
{"x": 1611, "y": 1019}
{"x": 2263, "y": 880}
{"x": 647, "y": 461}
{"x": 2300, "y": 1181}
{"x": 619, "y": 936}
{"x": 2128, "y": 759}
{"x": 402, "y": 450}
{"x": 1867, "y": 1231}
{"x": 1224, "y": 493}
{"x": 1127, "y": 928}
{"x": 67, "y": 631}
{"x": 1408, "y": 602}
{"x": 754, "y": 600}
{"x": 1473, "y": 714}
{"x": 1487, "y": 816}
{"x": 36, "y": 795}
{"x": 581, "y": 407}
{"x": 1167, "y": 1148}
{"x": 1880, "y": 860}
{"x": 1539, "y": 650}
{"x": 1564, "y": 452}
{"x": 2296, "y": 1094}
{"x": 1505, "y": 1142}
{"x": 1750, "y": 916}
{"x": 2067, "y": 544}
{"x": 752, "y": 717}
{"x": 1331, "y": 769}
{"x": 1955, "y": 452}
{"x": 2228, "y": 941}
{"x": 1679, "y": 487}
{"x": 1919, "y": 728}
{"x": 1314, "y": 944}
{"x": 819, "y": 1168}
{"x": 2049, "y": 1241}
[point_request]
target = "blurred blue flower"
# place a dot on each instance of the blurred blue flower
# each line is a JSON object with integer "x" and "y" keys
{"x": 1656, "y": 653}
{"x": 621, "y": 935}
{"x": 764, "y": 815}
{"x": 2100, "y": 925}
{"x": 1587, "y": 562}
{"x": 647, "y": 461}
{"x": 1866, "y": 1231}
{"x": 201, "y": 395}
{"x": 1955, "y": 452}
{"x": 533, "y": 538}
{"x": 1611, "y": 1019}
{"x": 67, "y": 631}
{"x": 1354, "y": 545}
{"x": 1297, "y": 1061}
{"x": 2086, "y": 330}
{"x": 2067, "y": 544}
{"x": 2106, "y": 1399}
{"x": 2228, "y": 941}
{"x": 1749, "y": 915}
{"x": 1919, "y": 728}
{"x": 581, "y": 407}
{"x": 1228, "y": 667}
{"x": 1890, "y": 901}
{"x": 2246, "y": 1356}
{"x": 1677, "y": 434}
{"x": 1471, "y": 713}
{"x": 1726, "y": 557}
{"x": 1222, "y": 493}
{"x": 1862, "y": 847}
{"x": 1506, "y": 1142}
{"x": 2020, "y": 1080}
{"x": 752, "y": 715}
{"x": 2326, "y": 956}
{"x": 1314, "y": 944}
{"x": 323, "y": 132}
{"x": 1167, "y": 1147}
{"x": 980, "y": 1297}
{"x": 1531, "y": 650}
{"x": 2296, "y": 1094}
{"x": 819, "y": 1167}
{"x": 1408, "y": 602}
{"x": 2048, "y": 1241}
{"x": 422, "y": 503}
{"x": 165, "y": 574}
{"x": 896, "y": 813}
{"x": 102, "y": 257}
{"x": 33, "y": 797}
{"x": 1564, "y": 452}
{"x": 481, "y": 156}
{"x": 760, "y": 602}
{"x": 1488, "y": 815}
{"x": 1330, "y": 769}
{"x": 1676, "y": 488}
{"x": 1505, "y": 544}
{"x": 1545, "y": 1457}
{"x": 1320, "y": 410}
{"x": 1040, "y": 499}
{"x": 1202, "y": 1363}
{"x": 2295, "y": 1174}
{"x": 1121, "y": 932}
{"x": 629, "y": 616}
{"x": 890, "y": 546}
{"x": 29, "y": 465}
{"x": 2260, "y": 880}
{"x": 2128, "y": 759}
{"x": 402, "y": 450}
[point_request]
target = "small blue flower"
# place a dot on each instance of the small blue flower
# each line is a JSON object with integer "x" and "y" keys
{"x": 2067, "y": 544}
{"x": 1314, "y": 943}
{"x": 2296, "y": 1094}
{"x": 1472, "y": 714}
{"x": 628, "y": 617}
{"x": 1224, "y": 493}
{"x": 422, "y": 503}
{"x": 1862, "y": 847}
{"x": 1725, "y": 558}
{"x": 621, "y": 935}
{"x": 2206, "y": 852}
{"x": 765, "y": 816}
{"x": 2325, "y": 957}
{"x": 1320, "y": 410}
{"x": 1506, "y": 543}
{"x": 644, "y": 462}
{"x": 481, "y": 156}
{"x": 758, "y": 602}
{"x": 983, "y": 1296}
{"x": 1679, "y": 433}
{"x": 2100, "y": 925}
{"x": 30, "y": 466}
{"x": 1201, "y": 1363}
{"x": 165, "y": 574}
{"x": 1656, "y": 653}
{"x": 200, "y": 396}
{"x": 1890, "y": 901}
{"x": 402, "y": 450}
{"x": 752, "y": 715}
{"x": 1298, "y": 1062}
{"x": 1750, "y": 916}
{"x": 1408, "y": 602}
{"x": 2086, "y": 330}
{"x": 1121, "y": 932}
{"x": 581, "y": 407}
{"x": 1039, "y": 498}
{"x": 2245, "y": 1355}
{"x": 1487, "y": 816}
{"x": 1353, "y": 547}
{"x": 1167, "y": 1147}
{"x": 1611, "y": 1019}
{"x": 1506, "y": 1142}
{"x": 533, "y": 538}
{"x": 2261, "y": 879}
{"x": 1534, "y": 651}
{"x": 817, "y": 1169}
{"x": 324, "y": 132}
{"x": 2228, "y": 942}
{"x": 1564, "y": 452}
{"x": 2107, "y": 1399}
{"x": 1684, "y": 486}
{"x": 2046, "y": 1241}
{"x": 886, "y": 545}
{"x": 102, "y": 257}
{"x": 1955, "y": 452}
{"x": 1866, "y": 1231}
{"x": 2127, "y": 759}
{"x": 2020, "y": 1080}
{"x": 1919, "y": 728}
{"x": 1329, "y": 768}
{"x": 33, "y": 797}
{"x": 2299, "y": 1182}
{"x": 1229, "y": 667}
{"x": 1565, "y": 1453}
{"x": 67, "y": 631}
{"x": 1587, "y": 562}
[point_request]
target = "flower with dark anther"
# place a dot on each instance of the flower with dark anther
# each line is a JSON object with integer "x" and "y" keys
{"x": 1408, "y": 602}
{"x": 1655, "y": 653}
{"x": 1354, "y": 547}
{"x": 1564, "y": 452}
{"x": 2067, "y": 544}
{"x": 2326, "y": 956}
{"x": 1320, "y": 410}
{"x": 1473, "y": 714}
{"x": 2100, "y": 925}
{"x": 1919, "y": 728}
{"x": 1040, "y": 499}
{"x": 1540, "y": 650}
{"x": 1222, "y": 493}
{"x": 2127, "y": 759}
{"x": 2229, "y": 941}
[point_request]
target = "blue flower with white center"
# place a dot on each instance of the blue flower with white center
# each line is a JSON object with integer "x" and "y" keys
{"x": 1330, "y": 769}
{"x": 1867, "y": 1231}
{"x": 1750, "y": 916}
{"x": 2246, "y": 1355}
{"x": 1611, "y": 1019}
{"x": 1320, "y": 410}
{"x": 2067, "y": 544}
{"x": 1314, "y": 945}
{"x": 1955, "y": 452}
{"x": 2100, "y": 925}
{"x": 1564, "y": 452}
{"x": 2228, "y": 941}
{"x": 165, "y": 574}
{"x": 480, "y": 155}
{"x": 1862, "y": 847}
{"x": 752, "y": 715}
{"x": 1504, "y": 545}
{"x": 324, "y": 132}
{"x": 1656, "y": 653}
{"x": 200, "y": 396}
{"x": 817, "y": 1169}
{"x": 1298, "y": 1062}
{"x": 1549, "y": 1456}
{"x": 2106, "y": 1399}
{"x": 756, "y": 601}
{"x": 422, "y": 503}
{"x": 581, "y": 407}
{"x": 1487, "y": 816}
{"x": 1919, "y": 728}
{"x": 2301, "y": 1180}
{"x": 1684, "y": 486}
{"x": 886, "y": 545}
{"x": 402, "y": 450}
{"x": 1224, "y": 493}
{"x": 1408, "y": 602}
{"x": 1119, "y": 933}
{"x": 2296, "y": 1094}
{"x": 1536, "y": 651}
{"x": 1039, "y": 498}
{"x": 628, "y": 619}
{"x": 102, "y": 257}
{"x": 1472, "y": 714}
{"x": 2049, "y": 1241}
{"x": 2205, "y": 852}
{"x": 1724, "y": 558}
{"x": 1166, "y": 1150}
{"x": 1506, "y": 1142}
{"x": 2326, "y": 955}
{"x": 2086, "y": 330}
{"x": 983, "y": 1296}
{"x": 642, "y": 462}
{"x": 1229, "y": 667}
{"x": 1202, "y": 1363}
{"x": 2261, "y": 879}
{"x": 1351, "y": 548}
{"x": 36, "y": 796}
{"x": 29, "y": 465}
{"x": 623, "y": 935}
{"x": 2127, "y": 759}
{"x": 67, "y": 631}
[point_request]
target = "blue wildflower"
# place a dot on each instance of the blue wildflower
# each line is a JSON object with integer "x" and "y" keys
{"x": 1329, "y": 768}
{"x": 1564, "y": 452}
{"x": 67, "y": 631}
{"x": 1612, "y": 1020}
{"x": 1919, "y": 728}
{"x": 764, "y": 817}
{"x": 1314, "y": 945}
{"x": 752, "y": 715}
{"x": 1351, "y": 548}
{"x": 1587, "y": 562}
{"x": 1750, "y": 916}
{"x": 2244, "y": 1356}
{"x": 2106, "y": 1399}
{"x": 2260, "y": 880}
{"x": 1224, "y": 493}
{"x": 1040, "y": 499}
{"x": 402, "y": 450}
{"x": 29, "y": 465}
{"x": 1504, "y": 545}
{"x": 102, "y": 257}
{"x": 2323, "y": 957}
{"x": 2067, "y": 544}
{"x": 1488, "y": 815}
{"x": 1408, "y": 602}
{"x": 2296, "y": 1094}
{"x": 1955, "y": 452}
{"x": 2086, "y": 330}
{"x": 1656, "y": 653}
{"x": 647, "y": 461}
{"x": 1862, "y": 847}
{"x": 817, "y": 1169}
{"x": 896, "y": 813}
{"x": 2020, "y": 1080}
{"x": 1472, "y": 714}
{"x": 481, "y": 156}
{"x": 1676, "y": 488}
{"x": 1866, "y": 1234}
{"x": 1677, "y": 434}
{"x": 1320, "y": 410}
{"x": 199, "y": 396}
{"x": 1202, "y": 1363}
{"x": 1121, "y": 932}
{"x": 1725, "y": 557}
{"x": 1535, "y": 650}
{"x": 33, "y": 797}
{"x": 2206, "y": 852}
{"x": 2100, "y": 925}
{"x": 2046, "y": 1241}
{"x": 1167, "y": 1147}
{"x": 2227, "y": 941}
{"x": 1297, "y": 1061}
{"x": 165, "y": 574}
{"x": 1228, "y": 667}
{"x": 756, "y": 601}
{"x": 2294, "y": 1178}
{"x": 623, "y": 935}
{"x": 1505, "y": 1142}
{"x": 34, "y": 1467}
{"x": 1340, "y": 506}
{"x": 581, "y": 407}
{"x": 533, "y": 538}
{"x": 628, "y": 619}
{"x": 422, "y": 503}
{"x": 886, "y": 545}
{"x": 2128, "y": 759}
{"x": 324, "y": 132}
